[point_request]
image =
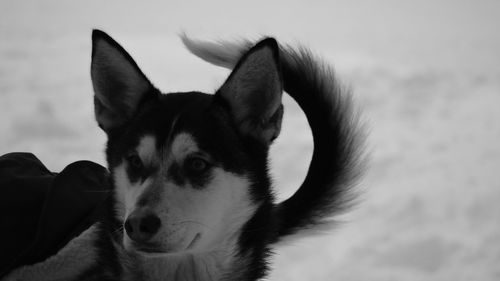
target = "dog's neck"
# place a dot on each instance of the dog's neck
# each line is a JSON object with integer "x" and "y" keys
{"x": 211, "y": 265}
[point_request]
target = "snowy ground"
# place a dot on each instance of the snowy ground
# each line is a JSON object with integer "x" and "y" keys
{"x": 426, "y": 73}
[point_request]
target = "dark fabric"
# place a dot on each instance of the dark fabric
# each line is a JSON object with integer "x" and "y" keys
{"x": 40, "y": 211}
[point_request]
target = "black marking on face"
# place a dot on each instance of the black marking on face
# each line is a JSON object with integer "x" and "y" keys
{"x": 136, "y": 169}
{"x": 175, "y": 174}
{"x": 197, "y": 170}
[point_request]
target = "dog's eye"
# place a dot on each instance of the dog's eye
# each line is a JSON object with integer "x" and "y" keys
{"x": 135, "y": 161}
{"x": 196, "y": 165}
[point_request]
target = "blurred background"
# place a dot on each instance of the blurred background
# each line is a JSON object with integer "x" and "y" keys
{"x": 426, "y": 75}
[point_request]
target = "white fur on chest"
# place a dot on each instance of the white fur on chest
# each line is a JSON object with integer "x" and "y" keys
{"x": 184, "y": 267}
{"x": 213, "y": 266}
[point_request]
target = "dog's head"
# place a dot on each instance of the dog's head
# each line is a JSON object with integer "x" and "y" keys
{"x": 189, "y": 169}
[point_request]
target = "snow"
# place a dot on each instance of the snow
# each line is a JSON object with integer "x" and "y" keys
{"x": 426, "y": 74}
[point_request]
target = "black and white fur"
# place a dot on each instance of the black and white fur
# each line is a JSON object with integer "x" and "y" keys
{"x": 192, "y": 197}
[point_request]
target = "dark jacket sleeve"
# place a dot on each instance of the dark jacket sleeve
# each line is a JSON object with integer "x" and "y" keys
{"x": 40, "y": 211}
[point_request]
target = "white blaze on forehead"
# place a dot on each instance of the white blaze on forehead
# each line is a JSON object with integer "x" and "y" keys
{"x": 182, "y": 145}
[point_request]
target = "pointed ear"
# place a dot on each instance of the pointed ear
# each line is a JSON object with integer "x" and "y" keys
{"x": 253, "y": 92}
{"x": 119, "y": 84}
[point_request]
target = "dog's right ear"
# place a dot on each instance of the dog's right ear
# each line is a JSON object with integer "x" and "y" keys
{"x": 119, "y": 85}
{"x": 252, "y": 92}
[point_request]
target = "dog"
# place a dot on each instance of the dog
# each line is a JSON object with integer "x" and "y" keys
{"x": 192, "y": 198}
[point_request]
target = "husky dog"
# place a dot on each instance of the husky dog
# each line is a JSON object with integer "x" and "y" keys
{"x": 192, "y": 196}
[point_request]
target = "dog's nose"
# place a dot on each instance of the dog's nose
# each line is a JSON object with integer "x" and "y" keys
{"x": 142, "y": 225}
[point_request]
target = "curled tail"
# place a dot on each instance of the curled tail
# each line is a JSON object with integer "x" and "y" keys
{"x": 338, "y": 158}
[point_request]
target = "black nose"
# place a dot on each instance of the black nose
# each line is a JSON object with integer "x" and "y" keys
{"x": 142, "y": 225}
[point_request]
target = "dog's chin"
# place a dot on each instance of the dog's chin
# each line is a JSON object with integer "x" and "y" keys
{"x": 158, "y": 250}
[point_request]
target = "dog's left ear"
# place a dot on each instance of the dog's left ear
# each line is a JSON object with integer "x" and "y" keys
{"x": 253, "y": 92}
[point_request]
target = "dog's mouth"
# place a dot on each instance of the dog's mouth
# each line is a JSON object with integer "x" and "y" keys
{"x": 147, "y": 248}
{"x": 152, "y": 249}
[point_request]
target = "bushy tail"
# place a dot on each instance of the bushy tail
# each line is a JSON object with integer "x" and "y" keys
{"x": 338, "y": 158}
